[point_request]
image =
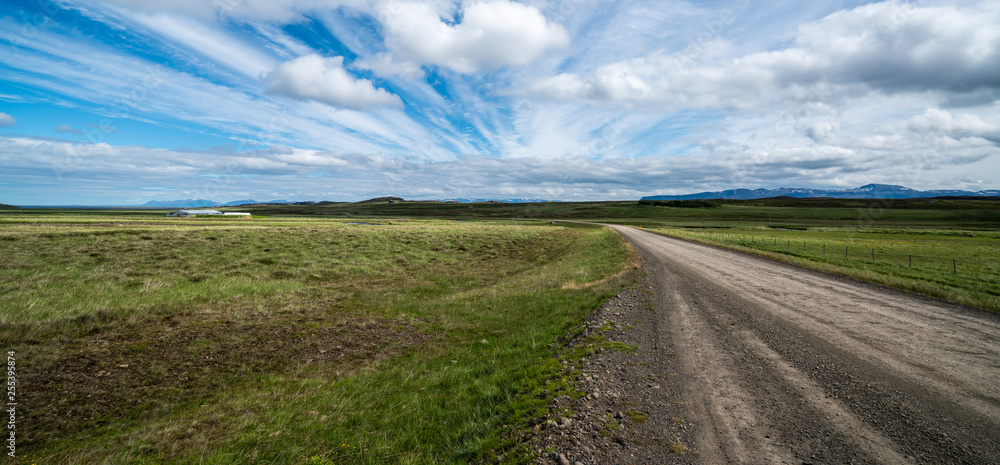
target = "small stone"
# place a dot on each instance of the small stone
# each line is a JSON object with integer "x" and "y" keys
{"x": 484, "y": 341}
{"x": 562, "y": 460}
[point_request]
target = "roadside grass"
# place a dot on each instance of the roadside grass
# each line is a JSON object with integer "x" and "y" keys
{"x": 290, "y": 340}
{"x": 957, "y": 265}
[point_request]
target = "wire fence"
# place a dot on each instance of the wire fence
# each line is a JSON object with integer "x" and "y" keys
{"x": 844, "y": 250}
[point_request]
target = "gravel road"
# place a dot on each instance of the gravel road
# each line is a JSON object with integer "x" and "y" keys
{"x": 764, "y": 362}
{"x": 784, "y": 365}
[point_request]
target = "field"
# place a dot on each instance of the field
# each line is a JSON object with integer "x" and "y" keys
{"x": 946, "y": 248}
{"x": 377, "y": 332}
{"x": 950, "y": 213}
{"x": 956, "y": 265}
{"x": 141, "y": 339}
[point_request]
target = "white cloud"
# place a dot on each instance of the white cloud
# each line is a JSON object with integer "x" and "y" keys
{"x": 130, "y": 87}
{"x": 960, "y": 135}
{"x": 382, "y": 64}
{"x": 822, "y": 131}
{"x": 66, "y": 129}
{"x": 870, "y": 94}
{"x": 324, "y": 79}
{"x": 491, "y": 35}
{"x": 285, "y": 45}
{"x": 927, "y": 163}
{"x": 884, "y": 47}
{"x": 7, "y": 120}
{"x": 937, "y": 121}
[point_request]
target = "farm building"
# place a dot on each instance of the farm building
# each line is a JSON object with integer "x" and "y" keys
{"x": 190, "y": 213}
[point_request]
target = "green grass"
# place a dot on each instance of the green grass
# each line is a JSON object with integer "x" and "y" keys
{"x": 300, "y": 339}
{"x": 637, "y": 417}
{"x": 916, "y": 260}
{"x": 955, "y": 213}
{"x": 146, "y": 340}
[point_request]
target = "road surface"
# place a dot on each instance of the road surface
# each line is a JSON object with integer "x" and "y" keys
{"x": 784, "y": 365}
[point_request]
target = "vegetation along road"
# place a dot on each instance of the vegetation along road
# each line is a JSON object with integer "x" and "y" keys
{"x": 784, "y": 365}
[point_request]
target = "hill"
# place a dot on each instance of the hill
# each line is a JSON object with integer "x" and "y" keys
{"x": 4, "y": 206}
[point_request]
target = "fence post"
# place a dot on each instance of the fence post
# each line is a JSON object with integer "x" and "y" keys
{"x": 824, "y": 249}
{"x": 954, "y": 266}
{"x": 845, "y": 252}
{"x": 873, "y": 254}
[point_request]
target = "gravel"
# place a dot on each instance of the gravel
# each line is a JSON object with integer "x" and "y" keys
{"x": 728, "y": 358}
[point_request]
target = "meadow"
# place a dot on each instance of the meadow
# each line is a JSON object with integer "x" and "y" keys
{"x": 378, "y": 332}
{"x": 142, "y": 339}
{"x": 947, "y": 248}
{"x": 862, "y": 213}
{"x": 952, "y": 264}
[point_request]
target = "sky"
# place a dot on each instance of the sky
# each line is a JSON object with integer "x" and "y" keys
{"x": 124, "y": 101}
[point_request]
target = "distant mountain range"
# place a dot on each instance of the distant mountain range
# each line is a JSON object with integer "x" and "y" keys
{"x": 192, "y": 203}
{"x": 870, "y": 191}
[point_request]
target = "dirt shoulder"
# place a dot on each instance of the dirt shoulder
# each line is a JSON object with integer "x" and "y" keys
{"x": 632, "y": 410}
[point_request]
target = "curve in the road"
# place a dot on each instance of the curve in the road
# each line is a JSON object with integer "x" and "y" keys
{"x": 790, "y": 365}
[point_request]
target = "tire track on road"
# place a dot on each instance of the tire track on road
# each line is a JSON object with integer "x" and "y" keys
{"x": 789, "y": 365}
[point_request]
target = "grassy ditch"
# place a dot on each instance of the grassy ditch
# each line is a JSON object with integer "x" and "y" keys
{"x": 288, "y": 340}
{"x": 956, "y": 265}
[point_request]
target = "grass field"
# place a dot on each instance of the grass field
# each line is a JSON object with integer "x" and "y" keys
{"x": 952, "y": 264}
{"x": 141, "y": 339}
{"x": 932, "y": 213}
{"x": 300, "y": 338}
{"x": 954, "y": 213}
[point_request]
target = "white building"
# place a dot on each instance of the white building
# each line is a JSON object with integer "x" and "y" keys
{"x": 190, "y": 213}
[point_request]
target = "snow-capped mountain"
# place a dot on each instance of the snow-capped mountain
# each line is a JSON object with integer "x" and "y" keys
{"x": 869, "y": 191}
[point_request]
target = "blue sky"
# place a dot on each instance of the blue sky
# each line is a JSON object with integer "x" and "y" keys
{"x": 126, "y": 101}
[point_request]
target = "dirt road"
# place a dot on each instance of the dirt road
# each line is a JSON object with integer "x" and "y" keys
{"x": 778, "y": 364}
